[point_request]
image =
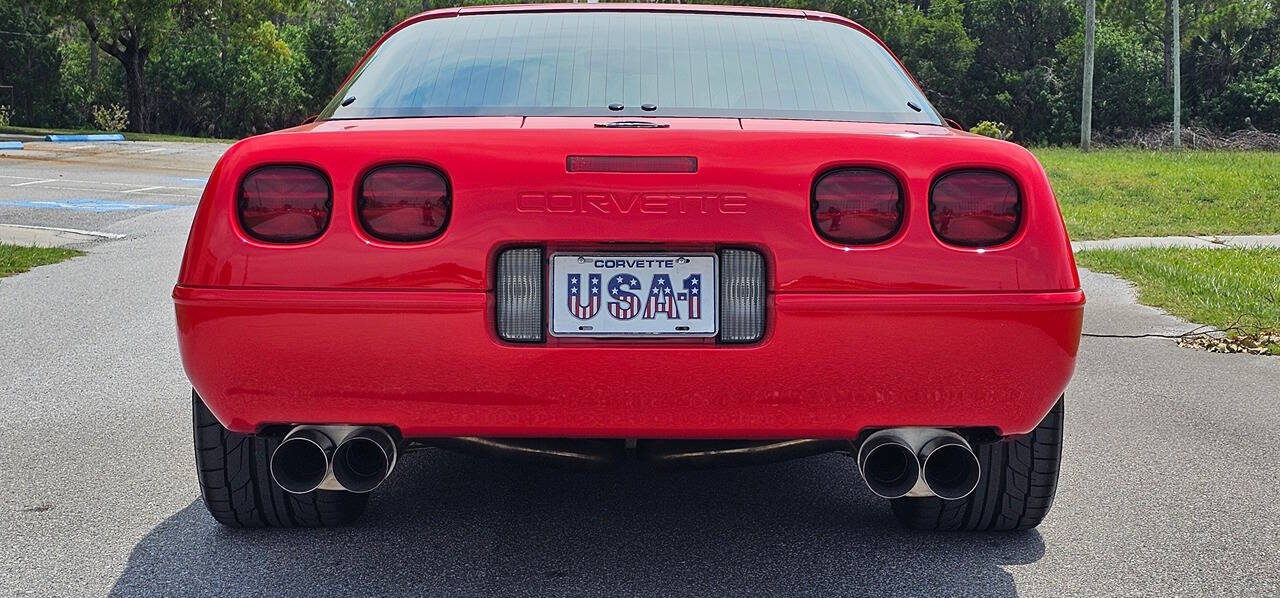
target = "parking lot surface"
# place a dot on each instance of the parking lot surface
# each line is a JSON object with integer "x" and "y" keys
{"x": 1168, "y": 487}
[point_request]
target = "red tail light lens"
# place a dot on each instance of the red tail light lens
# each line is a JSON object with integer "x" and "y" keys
{"x": 284, "y": 204}
{"x": 857, "y": 206}
{"x": 403, "y": 203}
{"x": 975, "y": 208}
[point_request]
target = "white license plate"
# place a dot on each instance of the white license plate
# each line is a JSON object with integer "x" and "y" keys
{"x": 664, "y": 294}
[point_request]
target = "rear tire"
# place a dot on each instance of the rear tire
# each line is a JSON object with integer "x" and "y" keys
{"x": 1019, "y": 479}
{"x": 236, "y": 484}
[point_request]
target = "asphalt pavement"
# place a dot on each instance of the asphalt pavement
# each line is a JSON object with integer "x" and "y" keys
{"x": 1168, "y": 487}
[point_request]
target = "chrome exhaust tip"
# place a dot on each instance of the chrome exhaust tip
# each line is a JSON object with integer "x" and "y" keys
{"x": 301, "y": 462}
{"x": 364, "y": 459}
{"x": 888, "y": 464}
{"x": 951, "y": 469}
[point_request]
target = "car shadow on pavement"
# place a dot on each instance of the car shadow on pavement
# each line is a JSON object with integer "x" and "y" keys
{"x": 449, "y": 524}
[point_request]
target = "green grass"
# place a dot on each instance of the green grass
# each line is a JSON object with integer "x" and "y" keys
{"x": 16, "y": 259}
{"x": 128, "y": 136}
{"x": 1219, "y": 287}
{"x": 1126, "y": 193}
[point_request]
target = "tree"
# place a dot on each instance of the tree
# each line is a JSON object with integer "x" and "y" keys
{"x": 1177, "y": 76}
{"x": 126, "y": 30}
{"x": 1086, "y": 97}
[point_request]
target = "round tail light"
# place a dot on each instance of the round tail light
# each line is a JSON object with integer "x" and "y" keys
{"x": 284, "y": 204}
{"x": 857, "y": 206}
{"x": 403, "y": 203}
{"x": 975, "y": 208}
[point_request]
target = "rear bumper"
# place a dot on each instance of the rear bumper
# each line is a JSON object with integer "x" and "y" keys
{"x": 428, "y": 363}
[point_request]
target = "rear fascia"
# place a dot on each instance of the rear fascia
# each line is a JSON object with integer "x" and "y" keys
{"x": 346, "y": 329}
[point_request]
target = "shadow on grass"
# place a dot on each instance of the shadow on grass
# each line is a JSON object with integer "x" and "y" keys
{"x": 449, "y": 524}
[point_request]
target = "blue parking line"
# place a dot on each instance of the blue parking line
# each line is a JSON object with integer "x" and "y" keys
{"x": 90, "y": 137}
{"x": 10, "y": 145}
{"x": 87, "y": 205}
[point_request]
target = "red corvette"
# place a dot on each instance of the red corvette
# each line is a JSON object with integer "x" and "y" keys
{"x": 575, "y": 234}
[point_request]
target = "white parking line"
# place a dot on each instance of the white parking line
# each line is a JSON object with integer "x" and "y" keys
{"x": 33, "y": 181}
{"x": 154, "y": 149}
{"x": 141, "y": 189}
{"x": 146, "y": 193}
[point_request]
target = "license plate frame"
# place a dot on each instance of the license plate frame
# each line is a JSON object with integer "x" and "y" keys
{"x": 644, "y": 268}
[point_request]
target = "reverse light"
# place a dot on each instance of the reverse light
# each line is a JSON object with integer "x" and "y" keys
{"x": 284, "y": 204}
{"x": 518, "y": 294}
{"x": 742, "y": 296}
{"x": 403, "y": 203}
{"x": 857, "y": 206}
{"x": 975, "y": 208}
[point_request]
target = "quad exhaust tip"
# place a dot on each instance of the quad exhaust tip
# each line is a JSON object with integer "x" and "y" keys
{"x": 918, "y": 462}
{"x": 309, "y": 459}
{"x": 888, "y": 465}
{"x": 950, "y": 468}
{"x": 301, "y": 463}
{"x": 364, "y": 459}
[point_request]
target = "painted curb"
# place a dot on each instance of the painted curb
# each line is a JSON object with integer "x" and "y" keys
{"x": 93, "y": 137}
{"x": 4, "y": 145}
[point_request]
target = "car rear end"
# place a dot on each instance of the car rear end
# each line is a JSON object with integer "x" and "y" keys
{"x": 484, "y": 243}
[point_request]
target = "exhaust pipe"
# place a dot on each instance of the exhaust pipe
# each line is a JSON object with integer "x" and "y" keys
{"x": 301, "y": 463}
{"x": 364, "y": 459}
{"x": 572, "y": 453}
{"x": 888, "y": 464}
{"x": 918, "y": 462}
{"x": 701, "y": 454}
{"x": 950, "y": 467}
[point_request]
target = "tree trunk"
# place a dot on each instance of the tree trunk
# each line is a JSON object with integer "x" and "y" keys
{"x": 1177, "y": 77}
{"x": 1086, "y": 99}
{"x": 93, "y": 63}
{"x": 136, "y": 90}
{"x": 1166, "y": 38}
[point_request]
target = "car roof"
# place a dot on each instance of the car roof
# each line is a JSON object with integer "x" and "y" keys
{"x": 619, "y": 7}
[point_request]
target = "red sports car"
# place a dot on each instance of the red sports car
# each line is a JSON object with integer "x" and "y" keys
{"x": 576, "y": 234}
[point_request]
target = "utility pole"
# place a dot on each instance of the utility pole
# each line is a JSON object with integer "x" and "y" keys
{"x": 1177, "y": 77}
{"x": 1086, "y": 99}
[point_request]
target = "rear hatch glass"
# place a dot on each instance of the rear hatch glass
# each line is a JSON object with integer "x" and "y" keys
{"x": 580, "y": 63}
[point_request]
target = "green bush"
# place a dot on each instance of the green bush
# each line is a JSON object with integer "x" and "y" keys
{"x": 995, "y": 130}
{"x": 1127, "y": 80}
{"x": 1255, "y": 98}
{"x": 110, "y": 118}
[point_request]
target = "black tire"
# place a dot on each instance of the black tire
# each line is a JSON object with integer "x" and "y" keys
{"x": 237, "y": 488}
{"x": 1019, "y": 478}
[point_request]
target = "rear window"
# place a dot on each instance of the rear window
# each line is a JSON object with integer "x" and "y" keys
{"x": 680, "y": 64}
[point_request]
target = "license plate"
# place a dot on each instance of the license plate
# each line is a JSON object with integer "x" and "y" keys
{"x": 665, "y": 294}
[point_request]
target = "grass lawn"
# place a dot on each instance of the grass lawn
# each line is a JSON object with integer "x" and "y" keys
{"x": 1219, "y": 287}
{"x": 1126, "y": 193}
{"x": 127, "y": 136}
{"x": 15, "y": 259}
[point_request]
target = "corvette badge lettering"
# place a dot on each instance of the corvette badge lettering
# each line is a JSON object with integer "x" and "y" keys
{"x": 642, "y": 203}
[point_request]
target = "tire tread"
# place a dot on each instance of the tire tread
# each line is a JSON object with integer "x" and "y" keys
{"x": 1020, "y": 478}
{"x": 236, "y": 485}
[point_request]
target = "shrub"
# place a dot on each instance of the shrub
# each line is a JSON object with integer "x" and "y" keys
{"x": 6, "y": 115}
{"x": 110, "y": 118}
{"x": 1251, "y": 102}
{"x": 995, "y": 130}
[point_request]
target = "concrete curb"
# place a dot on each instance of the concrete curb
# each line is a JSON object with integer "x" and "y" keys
{"x": 10, "y": 145}
{"x": 48, "y": 236}
{"x": 90, "y": 137}
{"x": 1204, "y": 242}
